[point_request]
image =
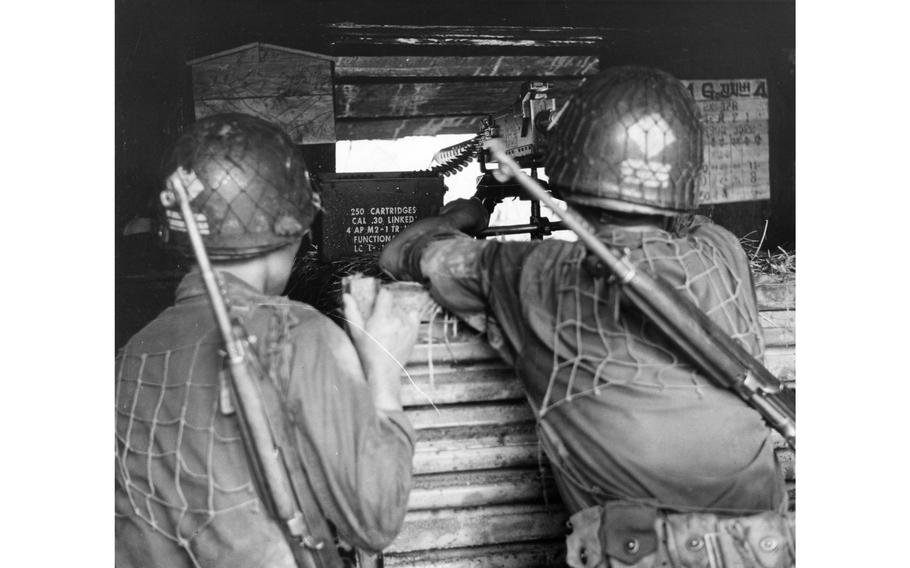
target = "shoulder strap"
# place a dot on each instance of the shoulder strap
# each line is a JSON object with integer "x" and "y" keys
{"x": 307, "y": 532}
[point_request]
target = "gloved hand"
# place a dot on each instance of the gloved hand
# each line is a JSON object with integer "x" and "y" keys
{"x": 464, "y": 215}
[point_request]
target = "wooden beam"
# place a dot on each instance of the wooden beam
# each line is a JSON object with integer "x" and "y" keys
{"x": 452, "y": 528}
{"x": 470, "y": 415}
{"x": 774, "y": 293}
{"x": 402, "y": 100}
{"x": 467, "y": 449}
{"x": 453, "y": 385}
{"x": 781, "y": 361}
{"x": 261, "y": 70}
{"x": 518, "y": 555}
{"x": 778, "y": 327}
{"x": 348, "y": 68}
{"x": 466, "y": 36}
{"x": 262, "y": 79}
{"x": 258, "y": 52}
{"x": 480, "y": 488}
{"x": 308, "y": 120}
{"x": 461, "y": 352}
{"x": 394, "y": 128}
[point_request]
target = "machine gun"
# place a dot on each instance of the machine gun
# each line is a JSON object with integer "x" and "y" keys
{"x": 523, "y": 131}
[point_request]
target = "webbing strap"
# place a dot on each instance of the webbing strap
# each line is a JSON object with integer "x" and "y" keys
{"x": 307, "y": 532}
{"x": 631, "y": 535}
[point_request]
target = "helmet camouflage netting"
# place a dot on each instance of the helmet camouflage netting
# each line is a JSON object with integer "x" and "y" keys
{"x": 629, "y": 140}
{"x": 251, "y": 193}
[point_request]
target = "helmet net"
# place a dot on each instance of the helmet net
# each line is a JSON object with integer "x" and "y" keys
{"x": 628, "y": 140}
{"x": 170, "y": 453}
{"x": 597, "y": 345}
{"x": 251, "y": 192}
{"x": 181, "y": 464}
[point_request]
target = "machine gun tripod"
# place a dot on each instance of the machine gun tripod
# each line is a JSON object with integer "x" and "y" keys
{"x": 491, "y": 192}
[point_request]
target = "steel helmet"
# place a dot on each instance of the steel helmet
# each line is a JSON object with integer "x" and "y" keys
{"x": 628, "y": 140}
{"x": 251, "y": 193}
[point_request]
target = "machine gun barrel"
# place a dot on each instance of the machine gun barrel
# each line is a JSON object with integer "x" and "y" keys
{"x": 521, "y": 229}
{"x": 724, "y": 361}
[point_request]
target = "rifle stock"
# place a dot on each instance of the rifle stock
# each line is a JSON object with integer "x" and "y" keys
{"x": 723, "y": 360}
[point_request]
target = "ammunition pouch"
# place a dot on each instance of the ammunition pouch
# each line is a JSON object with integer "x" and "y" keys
{"x": 626, "y": 535}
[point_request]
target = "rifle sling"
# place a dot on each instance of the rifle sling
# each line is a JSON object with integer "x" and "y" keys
{"x": 721, "y": 358}
{"x": 317, "y": 548}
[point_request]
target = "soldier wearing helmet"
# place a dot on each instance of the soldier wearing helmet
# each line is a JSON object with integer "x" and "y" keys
{"x": 185, "y": 493}
{"x": 640, "y": 441}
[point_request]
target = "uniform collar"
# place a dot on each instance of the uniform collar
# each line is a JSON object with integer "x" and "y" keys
{"x": 619, "y": 236}
{"x": 192, "y": 287}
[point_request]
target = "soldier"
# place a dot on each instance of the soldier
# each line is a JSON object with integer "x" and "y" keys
{"x": 650, "y": 457}
{"x": 185, "y": 492}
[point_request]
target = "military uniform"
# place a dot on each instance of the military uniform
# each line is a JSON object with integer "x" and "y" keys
{"x": 620, "y": 413}
{"x": 184, "y": 492}
{"x": 644, "y": 447}
{"x": 185, "y": 489}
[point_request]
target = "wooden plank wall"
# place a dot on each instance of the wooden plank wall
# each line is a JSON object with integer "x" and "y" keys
{"x": 483, "y": 492}
{"x": 285, "y": 86}
{"x": 393, "y": 96}
{"x": 777, "y": 312}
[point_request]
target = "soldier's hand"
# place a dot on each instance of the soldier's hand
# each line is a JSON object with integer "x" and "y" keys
{"x": 395, "y": 258}
{"x": 384, "y": 342}
{"x": 466, "y": 215}
{"x": 389, "y": 331}
{"x": 399, "y": 259}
